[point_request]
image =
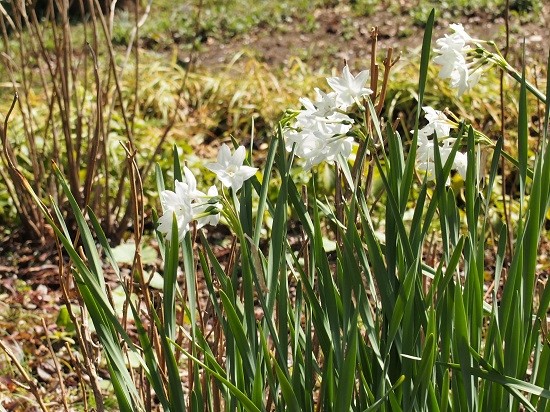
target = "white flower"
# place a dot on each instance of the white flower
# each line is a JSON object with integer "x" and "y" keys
{"x": 320, "y": 130}
{"x": 449, "y": 60}
{"x": 324, "y": 139}
{"x": 176, "y": 204}
{"x": 341, "y": 145}
{"x": 425, "y": 154}
{"x": 311, "y": 147}
{"x": 229, "y": 168}
{"x": 326, "y": 104}
{"x": 459, "y": 32}
{"x": 460, "y": 164}
{"x": 204, "y": 211}
{"x": 439, "y": 124}
{"x": 425, "y": 159}
{"x": 191, "y": 183}
{"x": 459, "y": 61}
{"x": 187, "y": 203}
{"x": 309, "y": 108}
{"x": 348, "y": 87}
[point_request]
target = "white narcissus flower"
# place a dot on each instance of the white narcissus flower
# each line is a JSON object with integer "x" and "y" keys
{"x": 191, "y": 184}
{"x": 320, "y": 130}
{"x": 460, "y": 164}
{"x": 460, "y": 32}
{"x": 187, "y": 203}
{"x": 350, "y": 88}
{"x": 459, "y": 61}
{"x": 324, "y": 139}
{"x": 309, "y": 108}
{"x": 325, "y": 104}
{"x": 439, "y": 124}
{"x": 229, "y": 167}
{"x": 178, "y": 204}
{"x": 449, "y": 60}
{"x": 204, "y": 211}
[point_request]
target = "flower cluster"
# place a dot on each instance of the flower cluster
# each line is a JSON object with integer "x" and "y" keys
{"x": 187, "y": 204}
{"x": 439, "y": 124}
{"x": 460, "y": 62}
{"x": 320, "y": 130}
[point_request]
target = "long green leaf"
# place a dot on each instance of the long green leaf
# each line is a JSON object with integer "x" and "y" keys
{"x": 347, "y": 373}
{"x": 423, "y": 71}
{"x": 171, "y": 263}
{"x": 238, "y": 331}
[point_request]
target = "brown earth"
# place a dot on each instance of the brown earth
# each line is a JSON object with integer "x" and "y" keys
{"x": 335, "y": 35}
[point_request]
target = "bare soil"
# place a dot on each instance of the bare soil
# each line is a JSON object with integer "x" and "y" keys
{"x": 336, "y": 35}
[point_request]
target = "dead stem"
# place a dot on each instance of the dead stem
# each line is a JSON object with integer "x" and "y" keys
{"x": 56, "y": 364}
{"x": 30, "y": 381}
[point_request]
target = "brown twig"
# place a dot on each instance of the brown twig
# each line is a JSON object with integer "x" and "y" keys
{"x": 388, "y": 64}
{"x": 27, "y": 213}
{"x": 357, "y": 170}
{"x": 56, "y": 364}
{"x": 93, "y": 152}
{"x": 30, "y": 381}
{"x": 8, "y": 153}
{"x": 136, "y": 197}
{"x": 78, "y": 368}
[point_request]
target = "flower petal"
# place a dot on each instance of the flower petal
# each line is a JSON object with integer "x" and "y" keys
{"x": 238, "y": 156}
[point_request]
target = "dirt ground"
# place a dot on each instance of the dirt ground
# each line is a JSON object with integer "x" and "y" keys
{"x": 337, "y": 36}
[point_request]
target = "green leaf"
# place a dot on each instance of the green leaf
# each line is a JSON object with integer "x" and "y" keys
{"x": 175, "y": 387}
{"x": 404, "y": 295}
{"x": 88, "y": 243}
{"x": 347, "y": 374}
{"x": 286, "y": 389}
{"x": 243, "y": 399}
{"x": 462, "y": 345}
{"x": 238, "y": 331}
{"x": 266, "y": 178}
{"x": 425, "y": 367}
{"x": 171, "y": 263}
{"x": 64, "y": 320}
{"x": 378, "y": 404}
{"x": 423, "y": 72}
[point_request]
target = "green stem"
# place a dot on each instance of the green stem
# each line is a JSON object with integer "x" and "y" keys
{"x": 513, "y": 72}
{"x": 500, "y": 61}
{"x": 236, "y": 202}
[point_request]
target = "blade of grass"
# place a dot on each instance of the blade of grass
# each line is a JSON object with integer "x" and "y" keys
{"x": 175, "y": 388}
{"x": 170, "y": 280}
{"x": 266, "y": 178}
{"x": 239, "y": 334}
{"x": 461, "y": 346}
{"x": 423, "y": 75}
{"x": 346, "y": 378}
{"x": 378, "y": 404}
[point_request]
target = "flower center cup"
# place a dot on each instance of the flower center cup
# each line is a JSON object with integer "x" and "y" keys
{"x": 231, "y": 170}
